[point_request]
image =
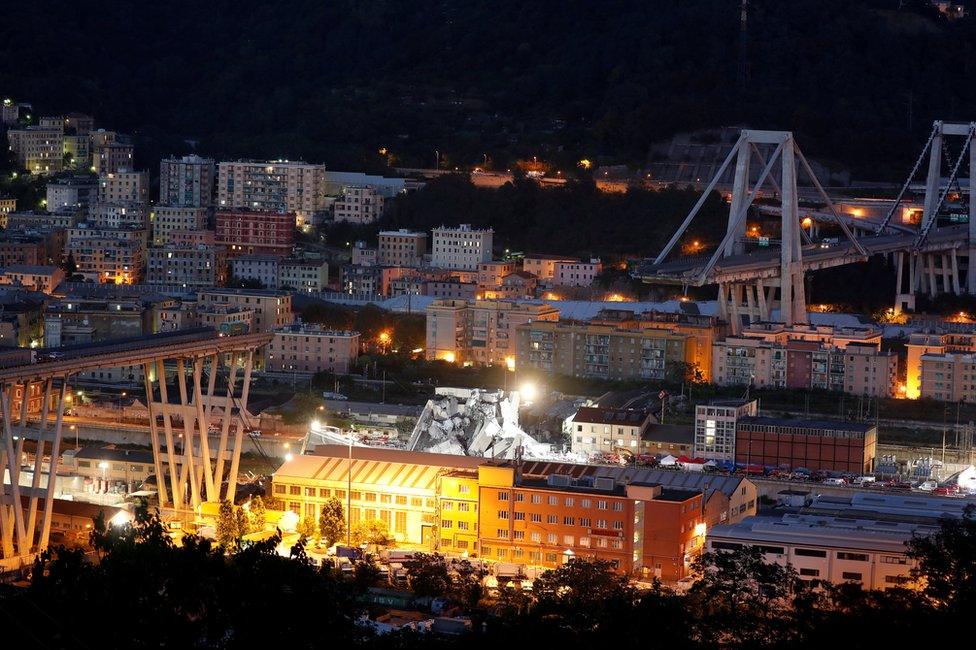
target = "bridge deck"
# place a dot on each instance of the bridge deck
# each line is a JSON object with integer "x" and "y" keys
{"x": 765, "y": 263}
{"x": 131, "y": 352}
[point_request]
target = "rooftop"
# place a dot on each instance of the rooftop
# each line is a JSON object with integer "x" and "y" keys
{"x": 267, "y": 293}
{"x": 32, "y": 269}
{"x": 596, "y": 415}
{"x": 799, "y": 423}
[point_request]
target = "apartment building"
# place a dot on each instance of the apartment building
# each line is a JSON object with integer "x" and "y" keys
{"x": 602, "y": 351}
{"x": 111, "y": 157}
{"x": 828, "y": 445}
{"x": 608, "y": 430}
{"x": 481, "y": 332}
{"x": 948, "y": 376}
{"x": 73, "y": 194}
{"x": 39, "y": 149}
{"x": 22, "y": 249}
{"x": 576, "y": 273}
{"x": 279, "y": 186}
{"x": 362, "y": 255}
{"x": 543, "y": 266}
{"x": 167, "y": 219}
{"x": 187, "y": 266}
{"x": 44, "y": 279}
{"x": 192, "y": 238}
{"x": 461, "y": 248}
{"x": 247, "y": 232}
{"x": 706, "y": 330}
{"x": 186, "y": 182}
{"x": 77, "y": 151}
{"x": 860, "y": 368}
{"x": 935, "y": 342}
{"x": 715, "y": 427}
{"x": 272, "y": 309}
{"x": 260, "y": 268}
{"x": 492, "y": 273}
{"x": 304, "y": 275}
{"x": 307, "y": 349}
{"x": 400, "y": 248}
{"x": 358, "y": 204}
{"x": 123, "y": 187}
{"x": 7, "y": 205}
{"x": 108, "y": 259}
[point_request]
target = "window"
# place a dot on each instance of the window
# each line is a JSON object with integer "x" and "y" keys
{"x": 552, "y": 519}
{"x": 810, "y": 573}
{"x": 570, "y": 502}
{"x": 585, "y": 503}
{"x": 416, "y": 502}
{"x": 618, "y": 525}
{"x": 518, "y": 534}
{"x": 568, "y": 540}
{"x": 552, "y": 538}
{"x": 503, "y": 496}
{"x": 519, "y": 516}
{"x": 278, "y": 488}
{"x": 537, "y": 498}
{"x": 503, "y": 514}
{"x": 569, "y": 521}
{"x": 551, "y": 557}
{"x": 897, "y": 580}
{"x": 447, "y": 505}
{"x": 464, "y": 507}
{"x": 386, "y": 498}
{"x": 446, "y": 523}
{"x": 462, "y": 525}
{"x": 584, "y": 542}
{"x": 854, "y": 557}
{"x": 893, "y": 559}
{"x": 400, "y": 525}
{"x": 553, "y": 501}
{"x": 520, "y": 496}
{"x": 502, "y": 533}
{"x": 601, "y": 504}
{"x": 809, "y": 552}
{"x": 726, "y": 546}
{"x": 536, "y": 537}
{"x": 618, "y": 506}
{"x": 850, "y": 575}
{"x": 324, "y": 493}
{"x": 464, "y": 489}
{"x": 294, "y": 489}
{"x": 535, "y": 517}
{"x": 355, "y": 495}
{"x": 369, "y": 496}
{"x": 584, "y": 522}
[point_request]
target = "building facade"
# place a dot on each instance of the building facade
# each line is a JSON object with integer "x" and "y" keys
{"x": 400, "y": 248}
{"x": 304, "y": 275}
{"x": 461, "y": 248}
{"x": 825, "y": 445}
{"x": 715, "y": 427}
{"x": 186, "y": 182}
{"x": 358, "y": 204}
{"x": 272, "y": 309}
{"x": 576, "y": 273}
{"x": 480, "y": 332}
{"x": 188, "y": 266}
{"x": 296, "y": 188}
{"x": 308, "y": 349}
{"x": 247, "y": 232}
{"x": 167, "y": 219}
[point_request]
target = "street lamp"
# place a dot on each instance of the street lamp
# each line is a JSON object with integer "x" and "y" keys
{"x": 75, "y": 429}
{"x": 104, "y": 467}
{"x": 123, "y": 394}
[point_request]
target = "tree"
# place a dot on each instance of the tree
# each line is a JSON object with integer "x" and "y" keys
{"x": 947, "y": 563}
{"x": 586, "y": 595}
{"x": 306, "y": 528}
{"x": 70, "y": 266}
{"x": 226, "y": 526}
{"x": 372, "y": 531}
{"x": 467, "y": 585}
{"x": 741, "y": 598}
{"x": 242, "y": 521}
{"x": 332, "y": 521}
{"x": 429, "y": 577}
{"x": 259, "y": 515}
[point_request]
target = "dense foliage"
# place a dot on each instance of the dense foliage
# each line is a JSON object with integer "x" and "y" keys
{"x": 144, "y": 591}
{"x": 337, "y": 81}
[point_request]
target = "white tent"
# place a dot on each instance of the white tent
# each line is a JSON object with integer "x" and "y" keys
{"x": 668, "y": 461}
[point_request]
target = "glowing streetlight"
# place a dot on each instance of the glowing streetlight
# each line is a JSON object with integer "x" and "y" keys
{"x": 585, "y": 163}
{"x": 510, "y": 363}
{"x": 528, "y": 391}
{"x": 289, "y": 457}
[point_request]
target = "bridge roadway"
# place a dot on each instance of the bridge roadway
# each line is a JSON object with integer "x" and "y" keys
{"x": 766, "y": 263}
{"x": 59, "y": 362}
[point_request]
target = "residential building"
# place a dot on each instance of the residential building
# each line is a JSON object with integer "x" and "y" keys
{"x": 187, "y": 266}
{"x": 668, "y": 439}
{"x": 607, "y": 430}
{"x": 44, "y": 279}
{"x": 72, "y": 194}
{"x": 108, "y": 259}
{"x": 491, "y": 273}
{"x": 280, "y": 186}
{"x": 515, "y": 285}
{"x": 828, "y": 445}
{"x": 400, "y": 248}
{"x": 576, "y": 273}
{"x": 308, "y": 349}
{"x": 543, "y": 266}
{"x": 260, "y": 268}
{"x": 9, "y": 112}
{"x": 30, "y": 220}
{"x": 106, "y": 318}
{"x": 581, "y": 350}
{"x": 948, "y": 376}
{"x": 111, "y": 157}
{"x": 186, "y": 182}
{"x": 482, "y": 332}
{"x": 450, "y": 289}
{"x": 22, "y": 249}
{"x": 39, "y": 149}
{"x": 304, "y": 275}
{"x": 123, "y": 187}
{"x": 704, "y": 329}
{"x": 937, "y": 341}
{"x": 715, "y": 427}
{"x": 129, "y": 214}
{"x": 192, "y": 238}
{"x": 359, "y": 204}
{"x": 247, "y": 232}
{"x": 77, "y": 151}
{"x": 166, "y": 219}
{"x": 272, "y": 309}
{"x": 7, "y": 205}
{"x": 461, "y": 248}
{"x": 21, "y": 322}
{"x": 361, "y": 280}
{"x": 363, "y": 255}
{"x": 226, "y": 319}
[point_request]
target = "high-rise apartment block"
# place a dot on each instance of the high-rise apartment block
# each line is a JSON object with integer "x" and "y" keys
{"x": 275, "y": 186}
{"x": 167, "y": 219}
{"x": 359, "y": 204}
{"x": 39, "y": 149}
{"x": 248, "y": 232}
{"x": 186, "y": 181}
{"x": 401, "y": 248}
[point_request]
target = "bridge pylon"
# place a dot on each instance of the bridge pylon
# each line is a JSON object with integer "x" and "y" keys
{"x": 749, "y": 296}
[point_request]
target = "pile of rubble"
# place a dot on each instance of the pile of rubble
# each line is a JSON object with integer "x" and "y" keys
{"x": 474, "y": 422}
